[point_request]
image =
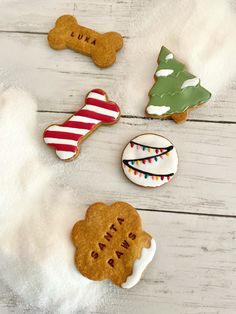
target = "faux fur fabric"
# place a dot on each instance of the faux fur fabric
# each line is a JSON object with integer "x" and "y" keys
{"x": 36, "y": 217}
{"x": 200, "y": 33}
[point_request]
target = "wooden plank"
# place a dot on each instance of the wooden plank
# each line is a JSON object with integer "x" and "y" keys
{"x": 60, "y": 79}
{"x": 41, "y": 16}
{"x": 205, "y": 181}
{"x": 192, "y": 272}
{"x": 52, "y": 67}
{"x": 103, "y": 16}
{"x": 194, "y": 269}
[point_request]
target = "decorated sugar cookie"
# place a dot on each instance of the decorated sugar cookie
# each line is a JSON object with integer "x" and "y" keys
{"x": 150, "y": 160}
{"x": 176, "y": 91}
{"x": 66, "y": 138}
{"x": 102, "y": 48}
{"x": 111, "y": 244}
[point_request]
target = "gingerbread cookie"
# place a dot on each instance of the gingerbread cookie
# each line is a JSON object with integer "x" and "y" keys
{"x": 65, "y": 138}
{"x": 150, "y": 160}
{"x": 102, "y": 48}
{"x": 176, "y": 91}
{"x": 110, "y": 244}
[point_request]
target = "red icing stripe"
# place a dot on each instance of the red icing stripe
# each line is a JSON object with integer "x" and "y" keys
{"x": 78, "y": 125}
{"x": 102, "y": 104}
{"x": 94, "y": 115}
{"x": 63, "y": 135}
{"x": 102, "y": 118}
{"x": 98, "y": 91}
{"x": 64, "y": 147}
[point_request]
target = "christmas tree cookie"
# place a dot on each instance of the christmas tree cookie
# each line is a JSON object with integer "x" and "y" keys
{"x": 175, "y": 91}
{"x": 150, "y": 160}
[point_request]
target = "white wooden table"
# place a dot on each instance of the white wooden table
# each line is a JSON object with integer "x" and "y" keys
{"x": 193, "y": 219}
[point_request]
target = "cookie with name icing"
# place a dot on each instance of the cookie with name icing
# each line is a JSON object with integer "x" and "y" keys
{"x": 111, "y": 244}
{"x": 175, "y": 91}
{"x": 102, "y": 48}
{"x": 150, "y": 160}
{"x": 66, "y": 138}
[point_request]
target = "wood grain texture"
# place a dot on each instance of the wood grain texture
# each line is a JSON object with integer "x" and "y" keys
{"x": 204, "y": 183}
{"x": 192, "y": 271}
{"x": 60, "y": 79}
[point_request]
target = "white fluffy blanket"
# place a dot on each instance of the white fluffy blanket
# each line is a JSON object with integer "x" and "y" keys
{"x": 36, "y": 217}
{"x": 200, "y": 33}
{"x": 36, "y": 214}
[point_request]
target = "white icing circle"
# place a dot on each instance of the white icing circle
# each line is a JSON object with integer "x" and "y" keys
{"x": 150, "y": 160}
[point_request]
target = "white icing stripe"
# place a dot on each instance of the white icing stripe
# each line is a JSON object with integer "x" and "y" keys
{"x": 96, "y": 109}
{"x": 84, "y": 119}
{"x": 191, "y": 82}
{"x": 53, "y": 140}
{"x": 159, "y": 110}
{"x": 97, "y": 96}
{"x": 67, "y": 129}
{"x": 140, "y": 264}
{"x": 164, "y": 72}
{"x": 64, "y": 155}
{"x": 169, "y": 56}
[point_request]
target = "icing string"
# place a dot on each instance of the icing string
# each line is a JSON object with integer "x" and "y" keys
{"x": 150, "y": 159}
{"x": 132, "y": 144}
{"x": 163, "y": 151}
{"x": 160, "y": 152}
{"x": 145, "y": 173}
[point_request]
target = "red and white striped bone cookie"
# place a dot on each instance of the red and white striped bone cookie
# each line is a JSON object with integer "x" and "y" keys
{"x": 65, "y": 138}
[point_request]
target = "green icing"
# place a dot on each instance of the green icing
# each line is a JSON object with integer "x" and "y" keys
{"x": 163, "y": 54}
{"x": 167, "y": 89}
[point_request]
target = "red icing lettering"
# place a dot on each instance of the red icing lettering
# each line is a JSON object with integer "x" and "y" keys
{"x": 94, "y": 255}
{"x": 118, "y": 254}
{"x": 120, "y": 220}
{"x": 111, "y": 262}
{"x": 132, "y": 236}
{"x": 108, "y": 236}
{"x": 112, "y": 227}
{"x": 101, "y": 245}
{"x": 125, "y": 244}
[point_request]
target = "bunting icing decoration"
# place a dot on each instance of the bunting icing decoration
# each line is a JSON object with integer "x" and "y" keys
{"x": 150, "y": 160}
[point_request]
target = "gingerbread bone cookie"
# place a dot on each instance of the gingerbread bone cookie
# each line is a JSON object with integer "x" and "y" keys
{"x": 65, "y": 138}
{"x": 110, "y": 244}
{"x": 67, "y": 33}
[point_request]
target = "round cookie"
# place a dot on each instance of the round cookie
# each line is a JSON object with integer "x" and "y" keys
{"x": 150, "y": 160}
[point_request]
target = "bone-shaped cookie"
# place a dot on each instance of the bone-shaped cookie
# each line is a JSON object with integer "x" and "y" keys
{"x": 67, "y": 33}
{"x": 65, "y": 138}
